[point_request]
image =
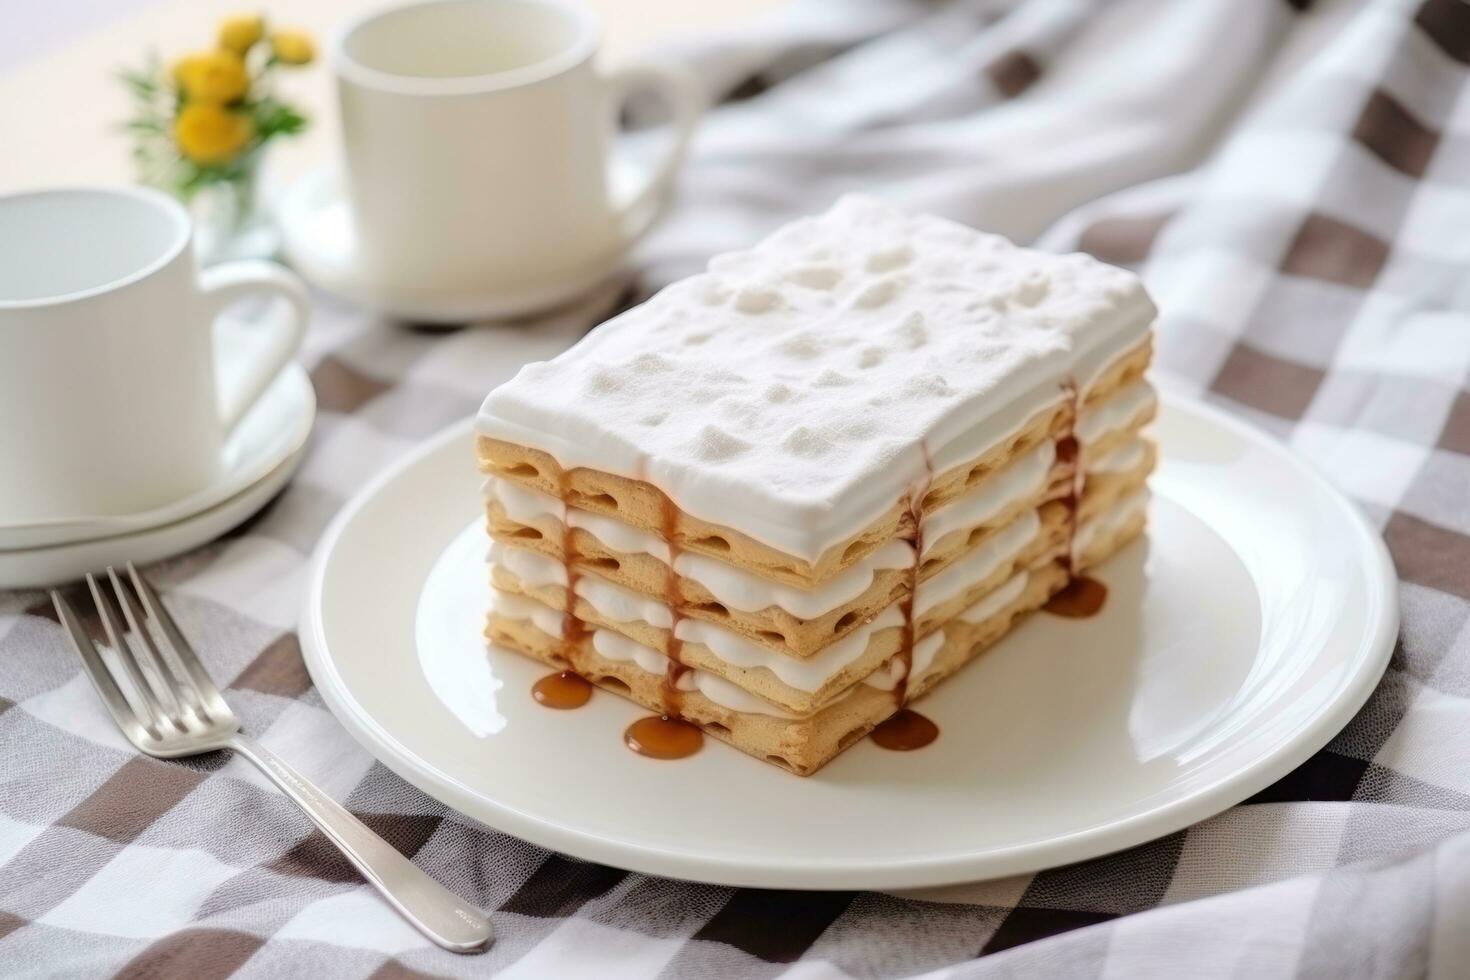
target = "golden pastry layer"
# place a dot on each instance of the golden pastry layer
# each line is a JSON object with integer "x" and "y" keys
{"x": 799, "y": 744}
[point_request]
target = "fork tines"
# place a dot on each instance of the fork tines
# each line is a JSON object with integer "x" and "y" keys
{"x": 151, "y": 680}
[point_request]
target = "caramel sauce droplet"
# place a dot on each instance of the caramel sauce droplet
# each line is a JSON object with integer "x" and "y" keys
{"x": 562, "y": 691}
{"x": 662, "y": 737}
{"x": 1079, "y": 598}
{"x": 904, "y": 731}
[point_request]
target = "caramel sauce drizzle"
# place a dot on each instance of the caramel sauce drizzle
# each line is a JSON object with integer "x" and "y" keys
{"x": 1069, "y": 452}
{"x": 915, "y": 501}
{"x": 573, "y": 630}
{"x": 669, "y": 735}
{"x": 905, "y": 729}
{"x": 673, "y": 697}
{"x": 1081, "y": 596}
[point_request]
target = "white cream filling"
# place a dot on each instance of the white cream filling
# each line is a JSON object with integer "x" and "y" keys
{"x": 623, "y": 605}
{"x": 1124, "y": 459}
{"x": 808, "y": 674}
{"x": 615, "y": 646}
{"x": 531, "y": 567}
{"x": 1022, "y": 480}
{"x": 739, "y": 589}
{"x": 613, "y": 601}
{"x": 626, "y": 606}
{"x": 747, "y": 592}
{"x": 998, "y": 599}
{"x": 1003, "y": 546}
{"x": 618, "y": 536}
{"x": 1120, "y": 411}
{"x": 996, "y": 428}
{"x": 734, "y": 587}
{"x": 520, "y": 609}
{"x": 1110, "y": 520}
{"x": 886, "y": 678}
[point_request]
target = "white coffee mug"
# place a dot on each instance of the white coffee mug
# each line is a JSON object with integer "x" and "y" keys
{"x": 476, "y": 136}
{"x": 112, "y": 398}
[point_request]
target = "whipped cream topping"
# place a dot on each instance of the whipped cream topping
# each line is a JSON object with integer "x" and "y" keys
{"x": 1121, "y": 411}
{"x": 792, "y": 390}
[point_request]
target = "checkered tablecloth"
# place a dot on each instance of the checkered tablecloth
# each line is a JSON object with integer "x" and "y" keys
{"x": 1292, "y": 180}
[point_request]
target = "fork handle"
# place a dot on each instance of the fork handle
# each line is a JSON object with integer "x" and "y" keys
{"x": 433, "y": 909}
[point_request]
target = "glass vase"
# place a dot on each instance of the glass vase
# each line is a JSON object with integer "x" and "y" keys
{"x": 229, "y": 221}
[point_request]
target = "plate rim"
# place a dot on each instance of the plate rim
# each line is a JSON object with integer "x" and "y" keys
{"x": 1372, "y": 653}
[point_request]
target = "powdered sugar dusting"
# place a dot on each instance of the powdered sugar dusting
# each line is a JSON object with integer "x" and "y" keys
{"x": 786, "y": 391}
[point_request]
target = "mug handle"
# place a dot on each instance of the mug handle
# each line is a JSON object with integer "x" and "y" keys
{"x": 231, "y": 281}
{"x": 686, "y": 99}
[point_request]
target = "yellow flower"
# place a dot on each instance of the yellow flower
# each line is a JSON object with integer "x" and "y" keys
{"x": 209, "y": 133}
{"x": 293, "y": 47}
{"x": 239, "y": 34}
{"x": 218, "y": 77}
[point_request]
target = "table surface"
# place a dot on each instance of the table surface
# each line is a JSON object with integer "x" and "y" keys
{"x": 66, "y": 135}
{"x": 1290, "y": 180}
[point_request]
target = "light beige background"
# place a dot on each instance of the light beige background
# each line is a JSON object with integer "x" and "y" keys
{"x": 58, "y": 110}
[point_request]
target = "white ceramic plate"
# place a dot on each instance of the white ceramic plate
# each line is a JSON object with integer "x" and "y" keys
{"x": 272, "y": 432}
{"x": 1237, "y": 639}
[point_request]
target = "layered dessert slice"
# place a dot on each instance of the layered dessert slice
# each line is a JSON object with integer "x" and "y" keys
{"x": 786, "y": 496}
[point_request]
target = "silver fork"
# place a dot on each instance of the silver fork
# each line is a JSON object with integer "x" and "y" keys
{"x": 174, "y": 709}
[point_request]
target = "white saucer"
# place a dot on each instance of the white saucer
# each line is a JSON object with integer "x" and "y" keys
{"x": 274, "y": 430}
{"x": 318, "y": 240}
{"x": 41, "y": 567}
{"x": 1237, "y": 639}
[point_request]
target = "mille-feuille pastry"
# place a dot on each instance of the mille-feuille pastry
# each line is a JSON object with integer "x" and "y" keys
{"x": 784, "y": 497}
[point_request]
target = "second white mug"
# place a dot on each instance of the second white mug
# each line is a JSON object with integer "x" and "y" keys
{"x": 477, "y": 138}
